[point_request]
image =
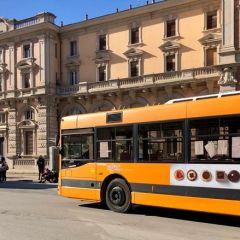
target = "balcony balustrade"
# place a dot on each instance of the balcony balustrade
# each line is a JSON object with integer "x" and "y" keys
{"x": 26, "y": 22}
{"x": 39, "y": 18}
{"x": 160, "y": 79}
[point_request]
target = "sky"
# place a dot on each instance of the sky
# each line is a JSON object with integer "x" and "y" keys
{"x": 67, "y": 11}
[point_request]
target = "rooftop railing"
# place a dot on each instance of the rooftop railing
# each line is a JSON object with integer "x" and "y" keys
{"x": 26, "y": 22}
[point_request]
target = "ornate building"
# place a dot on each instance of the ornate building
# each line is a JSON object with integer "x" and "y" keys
{"x": 141, "y": 56}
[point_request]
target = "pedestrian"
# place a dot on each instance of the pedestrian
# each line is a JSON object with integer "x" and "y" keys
{"x": 41, "y": 167}
{"x": 3, "y": 169}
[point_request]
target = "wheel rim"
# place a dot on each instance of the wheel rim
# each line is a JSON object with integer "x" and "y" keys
{"x": 117, "y": 196}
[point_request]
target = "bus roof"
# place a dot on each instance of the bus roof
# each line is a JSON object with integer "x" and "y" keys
{"x": 219, "y": 95}
{"x": 213, "y": 105}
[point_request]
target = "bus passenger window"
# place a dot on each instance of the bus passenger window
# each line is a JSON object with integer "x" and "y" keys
{"x": 76, "y": 147}
{"x": 115, "y": 144}
{"x": 161, "y": 142}
{"x": 212, "y": 139}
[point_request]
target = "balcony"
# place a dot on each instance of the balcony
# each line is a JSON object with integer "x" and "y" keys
{"x": 146, "y": 81}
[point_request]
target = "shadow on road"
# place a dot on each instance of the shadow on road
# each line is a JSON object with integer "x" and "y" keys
{"x": 177, "y": 214}
{"x": 26, "y": 184}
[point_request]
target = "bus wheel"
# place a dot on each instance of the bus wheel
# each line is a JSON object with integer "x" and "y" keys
{"x": 118, "y": 196}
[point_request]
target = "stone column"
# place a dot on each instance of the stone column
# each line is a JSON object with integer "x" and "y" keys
{"x": 47, "y": 125}
{"x": 227, "y": 52}
{"x": 12, "y": 136}
{"x": 52, "y": 122}
{"x": 42, "y": 131}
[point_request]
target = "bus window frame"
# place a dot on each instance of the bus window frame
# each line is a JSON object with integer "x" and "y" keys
{"x": 212, "y": 161}
{"x": 78, "y": 161}
{"x": 113, "y": 160}
{"x": 185, "y": 157}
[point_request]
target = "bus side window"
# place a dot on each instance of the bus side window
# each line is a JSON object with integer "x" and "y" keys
{"x": 212, "y": 139}
{"x": 161, "y": 142}
{"x": 77, "y": 146}
{"x": 115, "y": 144}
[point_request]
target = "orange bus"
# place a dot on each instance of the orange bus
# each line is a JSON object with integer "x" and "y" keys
{"x": 184, "y": 154}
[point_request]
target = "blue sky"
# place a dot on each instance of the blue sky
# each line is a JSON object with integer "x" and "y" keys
{"x": 68, "y": 11}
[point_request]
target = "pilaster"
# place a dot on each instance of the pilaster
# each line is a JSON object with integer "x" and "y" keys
{"x": 42, "y": 130}
{"x": 42, "y": 56}
{"x": 12, "y": 132}
{"x": 11, "y": 66}
{"x": 227, "y": 52}
{"x": 53, "y": 124}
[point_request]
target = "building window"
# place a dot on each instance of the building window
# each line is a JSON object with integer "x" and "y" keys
{"x": 29, "y": 115}
{"x": 134, "y": 68}
{"x": 102, "y": 74}
{"x": 102, "y": 42}
{"x": 28, "y": 143}
{"x": 26, "y": 51}
{"x": 26, "y": 80}
{"x": 135, "y": 35}
{"x": 211, "y": 56}
{"x": 73, "y": 48}
{"x": 171, "y": 28}
{"x": 170, "y": 63}
{"x": 1, "y": 82}
{"x": 56, "y": 50}
{"x": 1, "y": 56}
{"x": 2, "y": 118}
{"x": 73, "y": 77}
{"x": 211, "y": 20}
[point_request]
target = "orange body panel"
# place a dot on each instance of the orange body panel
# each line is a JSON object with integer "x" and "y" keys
{"x": 202, "y": 108}
{"x": 85, "y": 172}
{"x": 214, "y": 107}
{"x": 189, "y": 203}
{"x": 81, "y": 193}
{"x": 147, "y": 114}
{"x": 136, "y": 172}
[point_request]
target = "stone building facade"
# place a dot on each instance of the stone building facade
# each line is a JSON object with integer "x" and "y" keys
{"x": 141, "y": 56}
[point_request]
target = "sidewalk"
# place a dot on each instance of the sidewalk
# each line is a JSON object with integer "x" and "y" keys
{"x": 24, "y": 176}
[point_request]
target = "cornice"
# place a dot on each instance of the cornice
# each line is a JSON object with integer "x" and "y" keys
{"x": 41, "y": 27}
{"x": 149, "y": 10}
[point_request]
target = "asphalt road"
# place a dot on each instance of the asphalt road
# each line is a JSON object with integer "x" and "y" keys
{"x": 30, "y": 211}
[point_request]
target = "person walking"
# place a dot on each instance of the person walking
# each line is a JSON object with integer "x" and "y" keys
{"x": 3, "y": 169}
{"x": 41, "y": 167}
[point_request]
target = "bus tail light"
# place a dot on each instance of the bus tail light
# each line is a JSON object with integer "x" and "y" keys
{"x": 221, "y": 176}
{"x": 179, "y": 175}
{"x": 192, "y": 175}
{"x": 206, "y": 176}
{"x": 234, "y": 176}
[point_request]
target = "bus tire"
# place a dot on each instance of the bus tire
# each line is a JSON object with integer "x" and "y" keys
{"x": 118, "y": 196}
